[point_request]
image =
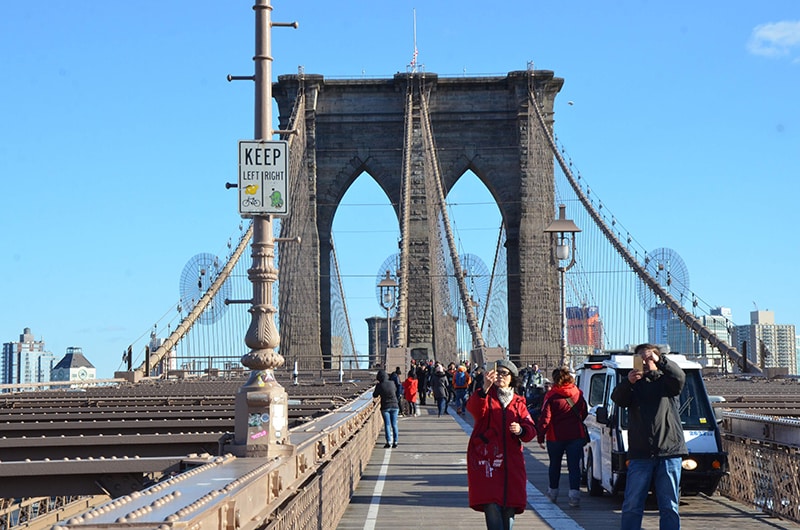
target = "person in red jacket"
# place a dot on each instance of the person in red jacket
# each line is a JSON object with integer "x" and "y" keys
{"x": 410, "y": 386}
{"x": 561, "y": 422}
{"x": 496, "y": 475}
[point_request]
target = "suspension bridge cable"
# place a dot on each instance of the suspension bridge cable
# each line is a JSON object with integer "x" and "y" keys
{"x": 674, "y": 305}
{"x": 469, "y": 310}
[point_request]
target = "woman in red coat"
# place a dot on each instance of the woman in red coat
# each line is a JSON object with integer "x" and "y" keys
{"x": 561, "y": 422}
{"x": 495, "y": 463}
{"x": 410, "y": 386}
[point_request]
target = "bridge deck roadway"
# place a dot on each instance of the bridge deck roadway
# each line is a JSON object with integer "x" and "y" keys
{"x": 423, "y": 484}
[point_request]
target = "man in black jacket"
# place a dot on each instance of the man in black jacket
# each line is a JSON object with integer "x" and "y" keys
{"x": 390, "y": 408}
{"x": 655, "y": 437}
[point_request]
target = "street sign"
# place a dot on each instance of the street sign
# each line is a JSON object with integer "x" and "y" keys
{"x": 263, "y": 178}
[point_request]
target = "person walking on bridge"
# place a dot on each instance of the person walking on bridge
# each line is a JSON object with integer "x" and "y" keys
{"x": 655, "y": 437}
{"x": 461, "y": 381}
{"x": 439, "y": 382}
{"x": 561, "y": 423}
{"x": 410, "y": 388}
{"x": 390, "y": 407}
{"x": 496, "y": 476}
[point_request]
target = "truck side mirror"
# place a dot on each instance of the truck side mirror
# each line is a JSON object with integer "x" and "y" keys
{"x": 602, "y": 415}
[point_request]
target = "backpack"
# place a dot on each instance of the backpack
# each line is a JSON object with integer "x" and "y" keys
{"x": 460, "y": 379}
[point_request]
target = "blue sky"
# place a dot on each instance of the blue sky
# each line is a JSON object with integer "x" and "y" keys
{"x": 119, "y": 131}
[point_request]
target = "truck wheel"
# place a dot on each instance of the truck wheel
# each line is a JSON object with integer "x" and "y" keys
{"x": 593, "y": 485}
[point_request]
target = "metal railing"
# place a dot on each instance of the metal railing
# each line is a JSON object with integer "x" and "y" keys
{"x": 329, "y": 455}
{"x": 763, "y": 456}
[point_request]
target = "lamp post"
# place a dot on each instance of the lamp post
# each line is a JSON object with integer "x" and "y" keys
{"x": 388, "y": 289}
{"x": 560, "y": 251}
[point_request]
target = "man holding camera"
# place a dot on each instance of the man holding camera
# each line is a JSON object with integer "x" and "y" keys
{"x": 651, "y": 393}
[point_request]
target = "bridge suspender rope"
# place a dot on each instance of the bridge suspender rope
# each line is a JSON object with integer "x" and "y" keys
{"x": 491, "y": 277}
{"x": 469, "y": 310}
{"x": 344, "y": 301}
{"x": 187, "y": 323}
{"x": 405, "y": 213}
{"x": 689, "y": 320}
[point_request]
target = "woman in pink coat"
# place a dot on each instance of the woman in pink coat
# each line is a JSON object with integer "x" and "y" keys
{"x": 495, "y": 463}
{"x": 561, "y": 422}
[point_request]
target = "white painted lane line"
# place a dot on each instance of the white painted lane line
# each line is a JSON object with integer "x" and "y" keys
{"x": 372, "y": 513}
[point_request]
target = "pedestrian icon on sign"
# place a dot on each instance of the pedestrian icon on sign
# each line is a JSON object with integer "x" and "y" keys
{"x": 275, "y": 197}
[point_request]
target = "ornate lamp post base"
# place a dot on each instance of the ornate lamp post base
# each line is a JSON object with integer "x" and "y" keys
{"x": 262, "y": 418}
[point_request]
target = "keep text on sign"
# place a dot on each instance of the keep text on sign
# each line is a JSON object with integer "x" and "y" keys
{"x": 263, "y": 177}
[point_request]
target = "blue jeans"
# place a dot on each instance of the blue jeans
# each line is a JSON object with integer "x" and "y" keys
{"x": 461, "y": 399}
{"x": 498, "y": 517}
{"x": 390, "y": 425}
{"x": 574, "y": 450}
{"x": 665, "y": 473}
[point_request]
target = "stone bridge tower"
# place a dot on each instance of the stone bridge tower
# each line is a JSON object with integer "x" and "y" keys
{"x": 480, "y": 124}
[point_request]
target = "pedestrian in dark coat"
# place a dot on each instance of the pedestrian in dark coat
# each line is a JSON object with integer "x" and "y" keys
{"x": 390, "y": 408}
{"x": 422, "y": 382}
{"x": 656, "y": 442}
{"x": 439, "y": 383}
{"x": 394, "y": 377}
{"x": 495, "y": 463}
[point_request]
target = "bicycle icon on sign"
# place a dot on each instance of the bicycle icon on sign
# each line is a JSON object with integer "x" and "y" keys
{"x": 251, "y": 201}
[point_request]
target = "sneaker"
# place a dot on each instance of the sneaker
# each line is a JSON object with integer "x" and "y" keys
{"x": 552, "y": 494}
{"x": 394, "y": 446}
{"x": 387, "y": 446}
{"x": 574, "y": 498}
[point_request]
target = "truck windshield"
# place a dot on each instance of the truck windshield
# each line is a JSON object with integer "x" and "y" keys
{"x": 695, "y": 409}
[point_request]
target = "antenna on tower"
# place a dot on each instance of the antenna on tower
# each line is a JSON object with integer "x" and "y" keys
{"x": 414, "y": 56}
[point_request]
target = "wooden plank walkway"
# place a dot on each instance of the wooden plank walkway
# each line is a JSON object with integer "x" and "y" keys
{"x": 423, "y": 484}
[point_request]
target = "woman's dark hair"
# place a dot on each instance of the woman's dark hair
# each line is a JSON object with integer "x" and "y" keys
{"x": 561, "y": 376}
{"x": 412, "y": 374}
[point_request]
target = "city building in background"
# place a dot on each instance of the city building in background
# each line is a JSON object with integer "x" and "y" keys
{"x": 657, "y": 319}
{"x": 766, "y": 344}
{"x": 74, "y": 367}
{"x": 584, "y": 332}
{"x": 584, "y": 327}
{"x": 378, "y": 339}
{"x": 682, "y": 340}
{"x": 25, "y": 361}
{"x": 797, "y": 350}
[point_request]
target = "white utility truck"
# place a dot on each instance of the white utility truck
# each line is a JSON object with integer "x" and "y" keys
{"x": 605, "y": 456}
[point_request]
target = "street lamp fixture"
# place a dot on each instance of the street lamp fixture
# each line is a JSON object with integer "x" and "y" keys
{"x": 388, "y": 289}
{"x": 559, "y": 252}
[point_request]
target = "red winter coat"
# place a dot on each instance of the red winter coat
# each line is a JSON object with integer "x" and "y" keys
{"x": 410, "y": 389}
{"x": 557, "y": 422}
{"x": 495, "y": 463}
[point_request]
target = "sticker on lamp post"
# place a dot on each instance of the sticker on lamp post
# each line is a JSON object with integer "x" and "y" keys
{"x": 263, "y": 177}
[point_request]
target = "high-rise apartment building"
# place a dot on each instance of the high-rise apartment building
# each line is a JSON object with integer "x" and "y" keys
{"x": 682, "y": 340}
{"x": 657, "y": 319}
{"x": 766, "y": 344}
{"x": 25, "y": 361}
